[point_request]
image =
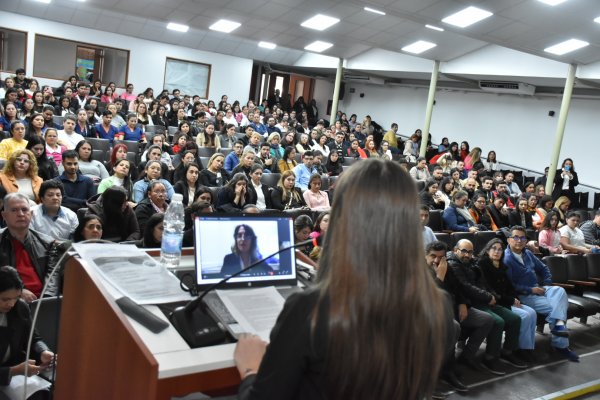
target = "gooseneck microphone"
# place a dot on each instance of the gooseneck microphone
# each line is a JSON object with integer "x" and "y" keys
{"x": 192, "y": 321}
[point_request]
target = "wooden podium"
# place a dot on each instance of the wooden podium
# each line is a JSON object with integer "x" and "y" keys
{"x": 103, "y": 354}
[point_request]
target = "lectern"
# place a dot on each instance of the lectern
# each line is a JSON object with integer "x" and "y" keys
{"x": 103, "y": 354}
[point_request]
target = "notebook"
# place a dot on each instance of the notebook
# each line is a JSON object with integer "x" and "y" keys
{"x": 226, "y": 243}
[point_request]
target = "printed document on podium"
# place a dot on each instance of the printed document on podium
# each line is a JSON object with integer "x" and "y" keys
{"x": 133, "y": 273}
{"x": 256, "y": 310}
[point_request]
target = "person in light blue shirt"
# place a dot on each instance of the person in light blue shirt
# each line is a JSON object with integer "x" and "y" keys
{"x": 305, "y": 170}
{"x": 428, "y": 235}
{"x": 233, "y": 159}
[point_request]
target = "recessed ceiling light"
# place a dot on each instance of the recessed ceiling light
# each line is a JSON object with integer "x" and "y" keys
{"x": 418, "y": 47}
{"x": 369, "y": 9}
{"x": 466, "y": 17}
{"x": 320, "y": 22}
{"x": 224, "y": 25}
{"x": 267, "y": 45}
{"x": 318, "y": 46}
{"x": 44, "y": 1}
{"x": 597, "y": 20}
{"x": 566, "y": 47}
{"x": 552, "y": 2}
{"x": 177, "y": 27}
{"x": 435, "y": 28}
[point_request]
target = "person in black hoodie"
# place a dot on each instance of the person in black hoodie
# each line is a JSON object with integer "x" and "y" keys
{"x": 494, "y": 271}
{"x": 334, "y": 164}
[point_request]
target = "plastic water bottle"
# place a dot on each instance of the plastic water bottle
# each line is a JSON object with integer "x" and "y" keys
{"x": 170, "y": 249}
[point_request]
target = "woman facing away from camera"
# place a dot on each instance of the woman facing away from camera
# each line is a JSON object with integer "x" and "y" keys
{"x": 345, "y": 337}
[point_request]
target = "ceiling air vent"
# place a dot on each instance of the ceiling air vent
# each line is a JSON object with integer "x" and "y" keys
{"x": 507, "y": 87}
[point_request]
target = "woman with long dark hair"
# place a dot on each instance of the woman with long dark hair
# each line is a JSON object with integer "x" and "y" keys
{"x": 235, "y": 195}
{"x": 121, "y": 176}
{"x": 188, "y": 185}
{"x": 348, "y": 337}
{"x": 565, "y": 181}
{"x": 46, "y": 166}
{"x": 118, "y": 219}
{"x": 549, "y": 236}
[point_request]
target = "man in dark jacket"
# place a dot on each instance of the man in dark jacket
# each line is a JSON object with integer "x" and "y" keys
{"x": 474, "y": 288}
{"x": 33, "y": 254}
{"x": 476, "y": 323}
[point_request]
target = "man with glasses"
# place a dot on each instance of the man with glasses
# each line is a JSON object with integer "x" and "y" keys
{"x": 483, "y": 297}
{"x": 476, "y": 324}
{"x": 525, "y": 270}
{"x": 33, "y": 254}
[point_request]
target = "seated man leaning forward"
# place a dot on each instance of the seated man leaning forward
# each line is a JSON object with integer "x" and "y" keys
{"x": 525, "y": 270}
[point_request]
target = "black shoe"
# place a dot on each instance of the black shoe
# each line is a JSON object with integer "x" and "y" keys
{"x": 438, "y": 395}
{"x": 452, "y": 380}
{"x": 492, "y": 365}
{"x": 513, "y": 360}
{"x": 472, "y": 362}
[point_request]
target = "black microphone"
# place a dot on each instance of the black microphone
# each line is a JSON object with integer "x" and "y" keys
{"x": 194, "y": 324}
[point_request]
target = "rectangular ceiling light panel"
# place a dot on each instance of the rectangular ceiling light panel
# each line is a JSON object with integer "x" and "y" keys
{"x": 320, "y": 22}
{"x": 467, "y": 17}
{"x": 566, "y": 47}
{"x": 225, "y": 26}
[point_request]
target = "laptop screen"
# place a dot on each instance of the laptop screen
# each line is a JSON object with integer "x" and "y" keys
{"x": 226, "y": 243}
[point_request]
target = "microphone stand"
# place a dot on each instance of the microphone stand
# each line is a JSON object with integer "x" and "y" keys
{"x": 192, "y": 321}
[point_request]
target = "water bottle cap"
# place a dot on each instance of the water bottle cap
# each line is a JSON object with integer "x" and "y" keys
{"x": 177, "y": 197}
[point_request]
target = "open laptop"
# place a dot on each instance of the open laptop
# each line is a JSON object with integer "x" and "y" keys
{"x": 221, "y": 243}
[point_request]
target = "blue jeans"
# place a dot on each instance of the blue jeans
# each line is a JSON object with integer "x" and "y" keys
{"x": 528, "y": 325}
{"x": 554, "y": 304}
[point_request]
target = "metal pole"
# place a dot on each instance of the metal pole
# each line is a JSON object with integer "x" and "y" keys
{"x": 429, "y": 111}
{"x": 265, "y": 91}
{"x": 560, "y": 128}
{"x": 336, "y": 91}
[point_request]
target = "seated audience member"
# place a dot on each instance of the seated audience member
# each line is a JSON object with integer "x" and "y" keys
{"x": 78, "y": 188}
{"x": 105, "y": 129}
{"x": 33, "y": 253}
{"x": 591, "y": 230}
{"x": 50, "y": 217}
{"x": 487, "y": 183}
{"x": 235, "y": 195}
{"x": 93, "y": 169}
{"x": 302, "y": 228}
{"x": 120, "y": 177}
{"x": 208, "y": 138}
{"x": 288, "y": 161}
{"x": 286, "y": 196}
{"x": 494, "y": 272}
{"x": 549, "y": 236}
{"x": 166, "y": 152}
{"x": 20, "y": 175}
{"x": 276, "y": 150}
{"x": 46, "y": 166}
{"x": 15, "y": 142}
{"x": 498, "y": 212}
{"x": 334, "y": 164}
{"x": 411, "y": 148}
{"x": 263, "y": 157}
{"x": 15, "y": 334}
{"x": 428, "y": 235}
{"x": 513, "y": 188}
{"x": 572, "y": 238}
{"x": 264, "y": 374}
{"x": 246, "y": 163}
{"x": 53, "y": 149}
{"x": 476, "y": 323}
{"x": 545, "y": 205}
{"x": 89, "y": 228}
{"x": 446, "y": 190}
{"x": 187, "y": 157}
{"x": 188, "y": 185}
{"x": 260, "y": 193}
{"x": 456, "y": 216}
{"x": 67, "y": 136}
{"x": 253, "y": 142}
{"x": 118, "y": 219}
{"x": 314, "y": 197}
{"x": 214, "y": 175}
{"x": 503, "y": 189}
{"x": 318, "y": 235}
{"x": 233, "y": 158}
{"x": 520, "y": 215}
{"x": 131, "y": 131}
{"x": 455, "y": 175}
{"x": 482, "y": 297}
{"x": 151, "y": 172}
{"x": 525, "y": 270}
{"x": 180, "y": 139}
{"x": 480, "y": 213}
{"x": 153, "y": 231}
{"x": 354, "y": 151}
{"x": 197, "y": 208}
{"x": 429, "y": 196}
{"x": 420, "y": 172}
{"x": 154, "y": 202}
{"x": 304, "y": 171}
{"x": 561, "y": 206}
